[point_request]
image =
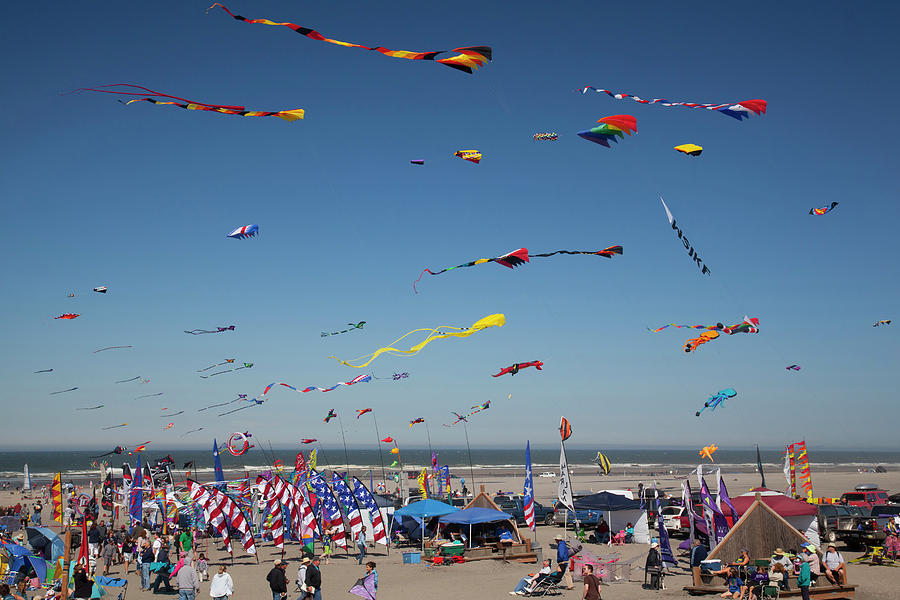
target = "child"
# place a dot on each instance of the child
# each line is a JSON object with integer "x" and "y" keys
{"x": 202, "y": 567}
{"x": 326, "y": 546}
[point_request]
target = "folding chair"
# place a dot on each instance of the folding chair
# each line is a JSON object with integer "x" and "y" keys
{"x": 769, "y": 592}
{"x": 547, "y": 585}
{"x": 618, "y": 539}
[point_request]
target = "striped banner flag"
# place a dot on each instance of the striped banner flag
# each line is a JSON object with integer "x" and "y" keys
{"x": 348, "y": 502}
{"x": 365, "y": 498}
{"x": 56, "y": 497}
{"x": 528, "y": 502}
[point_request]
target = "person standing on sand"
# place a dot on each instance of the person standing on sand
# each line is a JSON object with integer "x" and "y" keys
{"x": 222, "y": 585}
{"x": 591, "y": 584}
{"x": 188, "y": 581}
{"x": 36, "y": 519}
{"x": 361, "y": 545}
{"x": 314, "y": 579}
{"x": 803, "y": 579}
{"x": 278, "y": 580}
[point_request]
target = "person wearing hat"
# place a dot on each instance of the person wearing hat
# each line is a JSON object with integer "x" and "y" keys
{"x": 301, "y": 575}
{"x": 562, "y": 552}
{"x": 834, "y": 566}
{"x": 314, "y": 580}
{"x": 803, "y": 579}
{"x": 277, "y": 580}
{"x": 780, "y": 558}
{"x": 810, "y": 556}
{"x": 653, "y": 565}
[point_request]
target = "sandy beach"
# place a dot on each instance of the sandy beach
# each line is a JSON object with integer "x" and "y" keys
{"x": 494, "y": 579}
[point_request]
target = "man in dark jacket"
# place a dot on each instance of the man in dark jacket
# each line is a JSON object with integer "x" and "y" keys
{"x": 278, "y": 580}
{"x": 698, "y": 555}
{"x": 314, "y": 579}
{"x": 146, "y": 559}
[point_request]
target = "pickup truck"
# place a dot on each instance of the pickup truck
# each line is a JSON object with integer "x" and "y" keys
{"x": 514, "y": 506}
{"x": 869, "y": 525}
{"x": 834, "y": 520}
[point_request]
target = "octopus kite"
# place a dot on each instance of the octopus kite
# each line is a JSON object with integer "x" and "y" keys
{"x": 739, "y": 110}
{"x": 497, "y": 320}
{"x": 473, "y": 156}
{"x": 717, "y": 399}
{"x": 353, "y": 327}
{"x": 610, "y": 129}
{"x": 247, "y": 231}
{"x": 519, "y": 257}
{"x": 67, "y": 316}
{"x": 690, "y": 149}
{"x": 469, "y": 58}
{"x": 748, "y": 325}
{"x": 148, "y": 95}
{"x": 693, "y": 343}
{"x": 217, "y": 330}
{"x": 512, "y": 370}
{"x": 331, "y": 414}
{"x": 821, "y": 211}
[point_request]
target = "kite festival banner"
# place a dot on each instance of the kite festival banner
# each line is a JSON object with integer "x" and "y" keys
{"x": 564, "y": 492}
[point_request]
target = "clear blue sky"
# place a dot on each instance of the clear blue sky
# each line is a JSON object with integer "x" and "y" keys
{"x": 140, "y": 199}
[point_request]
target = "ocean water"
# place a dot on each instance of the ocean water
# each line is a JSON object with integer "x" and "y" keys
{"x": 77, "y": 464}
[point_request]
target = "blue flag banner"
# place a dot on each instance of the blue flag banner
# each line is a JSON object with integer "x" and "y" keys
{"x": 135, "y": 508}
{"x": 665, "y": 548}
{"x": 528, "y": 492}
{"x": 217, "y": 463}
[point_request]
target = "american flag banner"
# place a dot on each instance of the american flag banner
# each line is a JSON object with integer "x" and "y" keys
{"x": 285, "y": 497}
{"x": 331, "y": 514}
{"x": 528, "y": 496}
{"x": 235, "y": 516}
{"x": 273, "y": 505}
{"x": 302, "y": 519}
{"x": 365, "y": 499}
{"x": 348, "y": 501}
{"x": 212, "y": 510}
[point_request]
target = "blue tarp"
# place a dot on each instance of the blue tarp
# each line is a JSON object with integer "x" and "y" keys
{"x": 472, "y": 516}
{"x": 57, "y": 547}
{"x": 606, "y": 501}
{"x": 19, "y": 554}
{"x": 425, "y": 509}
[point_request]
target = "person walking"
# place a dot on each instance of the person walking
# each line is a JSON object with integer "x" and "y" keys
{"x": 591, "y": 584}
{"x": 84, "y": 587}
{"x": 108, "y": 554}
{"x": 36, "y": 517}
{"x": 146, "y": 559}
{"x": 361, "y": 545}
{"x": 222, "y": 585}
{"x": 301, "y": 575}
{"x": 278, "y": 580}
{"x": 803, "y": 579}
{"x": 188, "y": 581}
{"x": 314, "y": 579}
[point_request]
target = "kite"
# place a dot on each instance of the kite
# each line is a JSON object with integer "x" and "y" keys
{"x": 717, "y": 399}
{"x": 707, "y": 452}
{"x": 67, "y": 316}
{"x": 565, "y": 429}
{"x": 793, "y": 368}
{"x": 738, "y": 110}
{"x": 114, "y": 426}
{"x": 602, "y": 462}
{"x": 140, "y": 448}
{"x": 101, "y": 289}
{"x": 180, "y": 412}
{"x": 225, "y": 109}
{"x": 90, "y": 407}
{"x": 245, "y": 366}
{"x": 687, "y": 245}
{"x": 548, "y": 136}
{"x": 331, "y": 414}
{"x": 691, "y": 149}
{"x": 238, "y": 443}
{"x": 417, "y": 161}
{"x": 459, "y": 418}
{"x": 110, "y": 348}
{"x": 706, "y": 336}
{"x": 192, "y": 431}
{"x": 247, "y": 231}
{"x": 388, "y": 440}
{"x": 239, "y": 398}
{"x": 365, "y": 587}
{"x": 253, "y": 402}
{"x": 469, "y": 58}
{"x": 353, "y": 326}
{"x": 483, "y": 406}
{"x": 71, "y": 295}
{"x": 610, "y": 129}
{"x": 395, "y": 450}
{"x": 308, "y": 440}
{"x": 116, "y": 450}
{"x": 150, "y": 395}
{"x": 44, "y": 371}
{"x": 497, "y": 320}
{"x": 877, "y": 324}
{"x": 416, "y": 421}
{"x": 512, "y": 370}
{"x": 202, "y": 331}
{"x": 359, "y": 379}
{"x": 399, "y": 376}
{"x": 169, "y": 426}
{"x": 821, "y": 211}
{"x": 225, "y": 362}
{"x": 361, "y": 411}
{"x": 128, "y": 380}
{"x": 519, "y": 257}
{"x": 748, "y": 325}
{"x": 64, "y": 391}
{"x": 473, "y": 156}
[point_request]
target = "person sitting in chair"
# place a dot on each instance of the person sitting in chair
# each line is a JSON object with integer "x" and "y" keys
{"x": 531, "y": 578}
{"x": 556, "y": 576}
{"x": 736, "y": 585}
{"x": 629, "y": 533}
{"x": 602, "y": 533}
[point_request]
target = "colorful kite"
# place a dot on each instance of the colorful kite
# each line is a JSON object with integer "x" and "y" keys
{"x": 67, "y": 316}
{"x": 610, "y": 129}
{"x": 140, "y": 448}
{"x": 739, "y": 110}
{"x": 355, "y": 380}
{"x": 238, "y": 399}
{"x": 169, "y": 426}
{"x": 90, "y": 407}
{"x": 706, "y": 336}
{"x": 482, "y": 406}
{"x": 225, "y": 362}
{"x": 100, "y": 289}
{"x": 243, "y": 366}
{"x": 793, "y": 368}
{"x": 180, "y": 412}
{"x": 687, "y": 245}
{"x": 44, "y": 371}
{"x": 331, "y": 414}
{"x": 748, "y": 325}
{"x": 603, "y": 462}
{"x": 238, "y": 443}
{"x": 473, "y": 156}
{"x": 565, "y": 429}
{"x": 388, "y": 440}
{"x": 691, "y": 149}
{"x": 707, "y": 452}
{"x": 417, "y": 421}
{"x": 247, "y": 231}
{"x": 252, "y": 402}
{"x": 497, "y": 320}
{"x": 469, "y": 58}
{"x": 308, "y": 440}
{"x": 361, "y": 411}
{"x": 114, "y": 426}
{"x": 116, "y": 450}
{"x": 546, "y": 136}
{"x": 877, "y": 324}
{"x": 202, "y": 331}
{"x": 353, "y": 327}
{"x": 821, "y": 211}
{"x": 417, "y": 161}
{"x": 512, "y": 370}
{"x": 717, "y": 399}
{"x": 64, "y": 391}
{"x": 399, "y": 376}
{"x": 148, "y": 95}
{"x": 110, "y": 348}
{"x": 459, "y": 419}
{"x": 71, "y": 295}
{"x": 519, "y": 257}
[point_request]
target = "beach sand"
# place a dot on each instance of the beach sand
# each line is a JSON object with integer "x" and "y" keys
{"x": 494, "y": 579}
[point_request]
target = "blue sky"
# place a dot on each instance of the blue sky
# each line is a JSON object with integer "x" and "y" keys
{"x": 139, "y": 199}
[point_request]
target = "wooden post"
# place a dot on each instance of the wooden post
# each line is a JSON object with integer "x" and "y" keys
{"x": 67, "y": 548}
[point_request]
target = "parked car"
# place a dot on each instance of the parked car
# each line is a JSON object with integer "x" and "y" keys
{"x": 865, "y": 494}
{"x": 671, "y": 516}
{"x": 833, "y": 520}
{"x": 563, "y": 516}
{"x": 515, "y": 506}
{"x": 547, "y": 474}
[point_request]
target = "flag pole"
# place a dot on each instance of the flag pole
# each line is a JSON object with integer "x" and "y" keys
{"x": 346, "y": 454}
{"x": 380, "y": 456}
{"x": 469, "y": 449}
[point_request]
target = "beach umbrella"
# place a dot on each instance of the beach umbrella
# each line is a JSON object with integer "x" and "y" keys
{"x": 10, "y": 523}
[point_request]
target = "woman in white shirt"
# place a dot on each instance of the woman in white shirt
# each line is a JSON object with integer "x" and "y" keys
{"x": 222, "y": 586}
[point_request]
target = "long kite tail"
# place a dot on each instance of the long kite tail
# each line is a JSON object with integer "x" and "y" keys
{"x": 738, "y": 110}
{"x": 420, "y": 277}
{"x": 606, "y": 252}
{"x": 110, "y": 348}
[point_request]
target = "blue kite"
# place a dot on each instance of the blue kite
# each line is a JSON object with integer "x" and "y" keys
{"x": 717, "y": 399}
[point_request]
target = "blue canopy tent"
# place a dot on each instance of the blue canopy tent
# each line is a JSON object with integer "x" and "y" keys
{"x": 477, "y": 515}
{"x": 619, "y": 511}
{"x": 425, "y": 509}
{"x": 19, "y": 556}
